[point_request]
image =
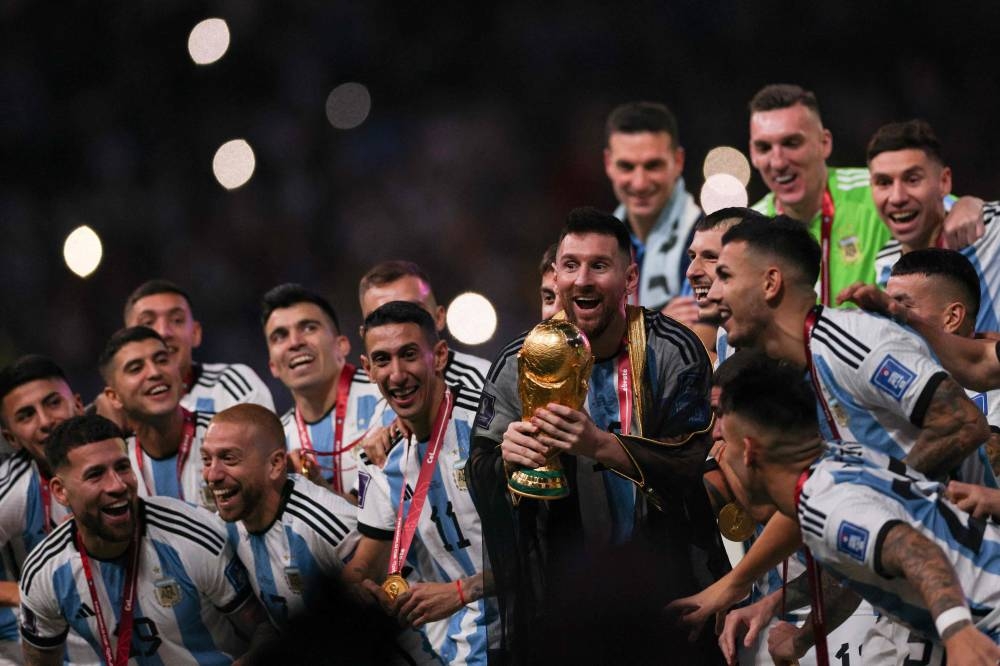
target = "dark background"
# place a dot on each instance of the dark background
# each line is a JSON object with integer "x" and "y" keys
{"x": 486, "y": 128}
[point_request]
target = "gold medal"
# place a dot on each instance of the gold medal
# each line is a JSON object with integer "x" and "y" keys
{"x": 734, "y": 523}
{"x": 394, "y": 586}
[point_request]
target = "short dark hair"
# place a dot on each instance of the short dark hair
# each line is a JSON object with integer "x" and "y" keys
{"x": 151, "y": 288}
{"x": 771, "y": 393}
{"x": 401, "y": 312}
{"x": 783, "y": 96}
{"x": 78, "y": 431}
{"x": 119, "y": 339}
{"x": 733, "y": 214}
{"x": 548, "y": 259}
{"x": 950, "y": 265}
{"x": 636, "y": 117}
{"x": 782, "y": 237}
{"x": 28, "y": 368}
{"x": 589, "y": 220}
{"x": 289, "y": 294}
{"x": 917, "y": 134}
{"x": 387, "y": 272}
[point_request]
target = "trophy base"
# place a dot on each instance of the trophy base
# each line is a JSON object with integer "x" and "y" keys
{"x": 543, "y": 483}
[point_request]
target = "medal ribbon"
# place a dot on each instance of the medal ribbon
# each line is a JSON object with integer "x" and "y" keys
{"x": 625, "y": 390}
{"x": 825, "y": 229}
{"x": 810, "y": 323}
{"x": 183, "y": 451}
{"x": 43, "y": 487}
{"x": 818, "y": 610}
{"x": 339, "y": 416}
{"x": 403, "y": 535}
{"x": 120, "y": 656}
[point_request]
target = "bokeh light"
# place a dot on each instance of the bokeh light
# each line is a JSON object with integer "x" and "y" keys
{"x": 83, "y": 251}
{"x": 208, "y": 41}
{"x": 726, "y": 159}
{"x": 471, "y": 318}
{"x": 348, "y": 105}
{"x": 233, "y": 163}
{"x": 722, "y": 190}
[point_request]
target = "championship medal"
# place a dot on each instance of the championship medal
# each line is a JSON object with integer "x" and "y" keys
{"x": 394, "y": 586}
{"x": 734, "y": 523}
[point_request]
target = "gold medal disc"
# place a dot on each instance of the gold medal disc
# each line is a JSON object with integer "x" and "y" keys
{"x": 394, "y": 586}
{"x": 734, "y": 523}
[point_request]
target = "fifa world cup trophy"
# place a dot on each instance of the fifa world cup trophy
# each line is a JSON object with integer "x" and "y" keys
{"x": 553, "y": 365}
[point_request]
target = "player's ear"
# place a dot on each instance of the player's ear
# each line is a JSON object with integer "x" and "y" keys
{"x": 112, "y": 396}
{"x": 774, "y": 280}
{"x": 440, "y": 355}
{"x": 195, "y": 334}
{"x": 750, "y": 452}
{"x": 58, "y": 489}
{"x": 278, "y": 464}
{"x": 953, "y": 316}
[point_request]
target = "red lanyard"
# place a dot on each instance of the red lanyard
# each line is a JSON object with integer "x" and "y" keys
{"x": 403, "y": 536}
{"x": 825, "y": 229}
{"x": 183, "y": 451}
{"x": 818, "y": 610}
{"x": 120, "y": 656}
{"x": 625, "y": 390}
{"x": 43, "y": 487}
{"x": 810, "y": 323}
{"x": 339, "y": 416}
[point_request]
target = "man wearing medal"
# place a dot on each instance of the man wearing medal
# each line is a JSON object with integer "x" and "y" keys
{"x": 147, "y": 579}
{"x": 634, "y": 461}
{"x": 335, "y": 404}
{"x": 416, "y": 512}
{"x": 143, "y": 382}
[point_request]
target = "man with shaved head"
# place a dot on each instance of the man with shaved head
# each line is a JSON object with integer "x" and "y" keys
{"x": 288, "y": 530}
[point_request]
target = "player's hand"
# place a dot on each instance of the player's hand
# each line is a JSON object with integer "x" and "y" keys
{"x": 426, "y": 602}
{"x": 980, "y": 501}
{"x": 964, "y": 224}
{"x": 682, "y": 308}
{"x": 370, "y": 591}
{"x": 568, "y": 430}
{"x": 747, "y": 622}
{"x": 970, "y": 647}
{"x": 520, "y": 447}
{"x": 871, "y": 298}
{"x": 782, "y": 643}
{"x": 299, "y": 458}
{"x": 379, "y": 441}
{"x": 692, "y": 612}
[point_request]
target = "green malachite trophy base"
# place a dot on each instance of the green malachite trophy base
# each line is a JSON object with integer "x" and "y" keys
{"x": 543, "y": 483}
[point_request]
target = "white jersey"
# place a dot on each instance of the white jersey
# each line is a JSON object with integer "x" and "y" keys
{"x": 877, "y": 378}
{"x": 855, "y": 495}
{"x": 159, "y": 477}
{"x": 314, "y": 533}
{"x": 365, "y": 409}
{"x": 984, "y": 255}
{"x": 188, "y": 580}
{"x": 449, "y": 533}
{"x": 467, "y": 373}
{"x": 218, "y": 386}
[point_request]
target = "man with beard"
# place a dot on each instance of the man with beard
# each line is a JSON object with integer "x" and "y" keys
{"x": 147, "y": 579}
{"x": 637, "y": 526}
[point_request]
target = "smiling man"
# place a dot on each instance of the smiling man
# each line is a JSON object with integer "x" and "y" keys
{"x": 143, "y": 382}
{"x": 635, "y": 482}
{"x": 147, "y": 579}
{"x": 335, "y": 404}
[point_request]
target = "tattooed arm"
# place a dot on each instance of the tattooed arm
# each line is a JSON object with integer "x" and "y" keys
{"x": 952, "y": 428}
{"x": 787, "y": 642}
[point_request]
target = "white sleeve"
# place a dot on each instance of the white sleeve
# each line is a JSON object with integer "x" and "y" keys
{"x": 42, "y": 621}
{"x": 13, "y": 504}
{"x": 259, "y": 393}
{"x": 376, "y": 517}
{"x": 223, "y": 579}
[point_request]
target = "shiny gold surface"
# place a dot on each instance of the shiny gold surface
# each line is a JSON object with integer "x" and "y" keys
{"x": 394, "y": 586}
{"x": 734, "y": 523}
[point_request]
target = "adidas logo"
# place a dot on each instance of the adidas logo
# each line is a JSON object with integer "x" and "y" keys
{"x": 84, "y": 612}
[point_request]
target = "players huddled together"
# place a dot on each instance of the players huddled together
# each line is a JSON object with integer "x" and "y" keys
{"x": 791, "y": 431}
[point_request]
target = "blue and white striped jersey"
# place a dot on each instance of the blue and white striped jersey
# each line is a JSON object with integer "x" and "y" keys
{"x": 851, "y": 500}
{"x": 877, "y": 378}
{"x": 219, "y": 386}
{"x": 983, "y": 254}
{"x": 188, "y": 580}
{"x": 159, "y": 477}
{"x": 449, "y": 533}
{"x": 314, "y": 533}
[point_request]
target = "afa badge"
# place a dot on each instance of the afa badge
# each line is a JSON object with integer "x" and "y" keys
{"x": 893, "y": 377}
{"x": 850, "y": 250}
{"x": 294, "y": 579}
{"x": 459, "y": 470}
{"x": 852, "y": 540}
{"x": 168, "y": 592}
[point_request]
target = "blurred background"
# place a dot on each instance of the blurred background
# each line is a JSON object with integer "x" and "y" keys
{"x": 466, "y": 135}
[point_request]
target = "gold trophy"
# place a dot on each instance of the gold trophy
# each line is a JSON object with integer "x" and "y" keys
{"x": 553, "y": 365}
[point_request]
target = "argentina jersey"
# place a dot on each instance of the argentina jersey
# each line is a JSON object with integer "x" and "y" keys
{"x": 365, "y": 410}
{"x": 855, "y": 496}
{"x": 219, "y": 386}
{"x": 312, "y": 536}
{"x": 188, "y": 580}
{"x": 448, "y": 531}
{"x": 160, "y": 478}
{"x": 21, "y": 525}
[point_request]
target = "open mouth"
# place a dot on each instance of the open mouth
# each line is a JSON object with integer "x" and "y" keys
{"x": 403, "y": 393}
{"x": 586, "y": 303}
{"x": 700, "y": 293}
{"x": 903, "y": 218}
{"x": 116, "y": 510}
{"x": 300, "y": 360}
{"x": 159, "y": 389}
{"x": 223, "y": 494}
{"x": 784, "y": 179}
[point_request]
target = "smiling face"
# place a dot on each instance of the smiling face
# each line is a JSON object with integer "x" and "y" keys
{"x": 550, "y": 297}
{"x": 789, "y": 148}
{"x": 738, "y": 293}
{"x": 643, "y": 168}
{"x": 704, "y": 255}
{"x": 408, "y": 288}
{"x": 169, "y": 315}
{"x": 243, "y": 474}
{"x": 31, "y": 412}
{"x": 144, "y": 380}
{"x": 305, "y": 350}
{"x": 908, "y": 188}
{"x": 408, "y": 370}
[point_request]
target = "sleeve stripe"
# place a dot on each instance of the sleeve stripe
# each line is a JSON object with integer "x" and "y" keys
{"x": 926, "y": 397}
{"x": 183, "y": 523}
{"x": 167, "y": 526}
{"x": 818, "y": 336}
{"x": 51, "y": 547}
{"x": 505, "y": 354}
{"x": 375, "y": 533}
{"x": 312, "y": 522}
{"x": 233, "y": 374}
{"x": 841, "y": 335}
{"x": 679, "y": 341}
{"x": 321, "y": 513}
{"x": 44, "y": 642}
{"x": 230, "y": 389}
{"x": 15, "y": 472}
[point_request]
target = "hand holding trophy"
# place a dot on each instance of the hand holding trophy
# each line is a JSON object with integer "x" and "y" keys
{"x": 553, "y": 365}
